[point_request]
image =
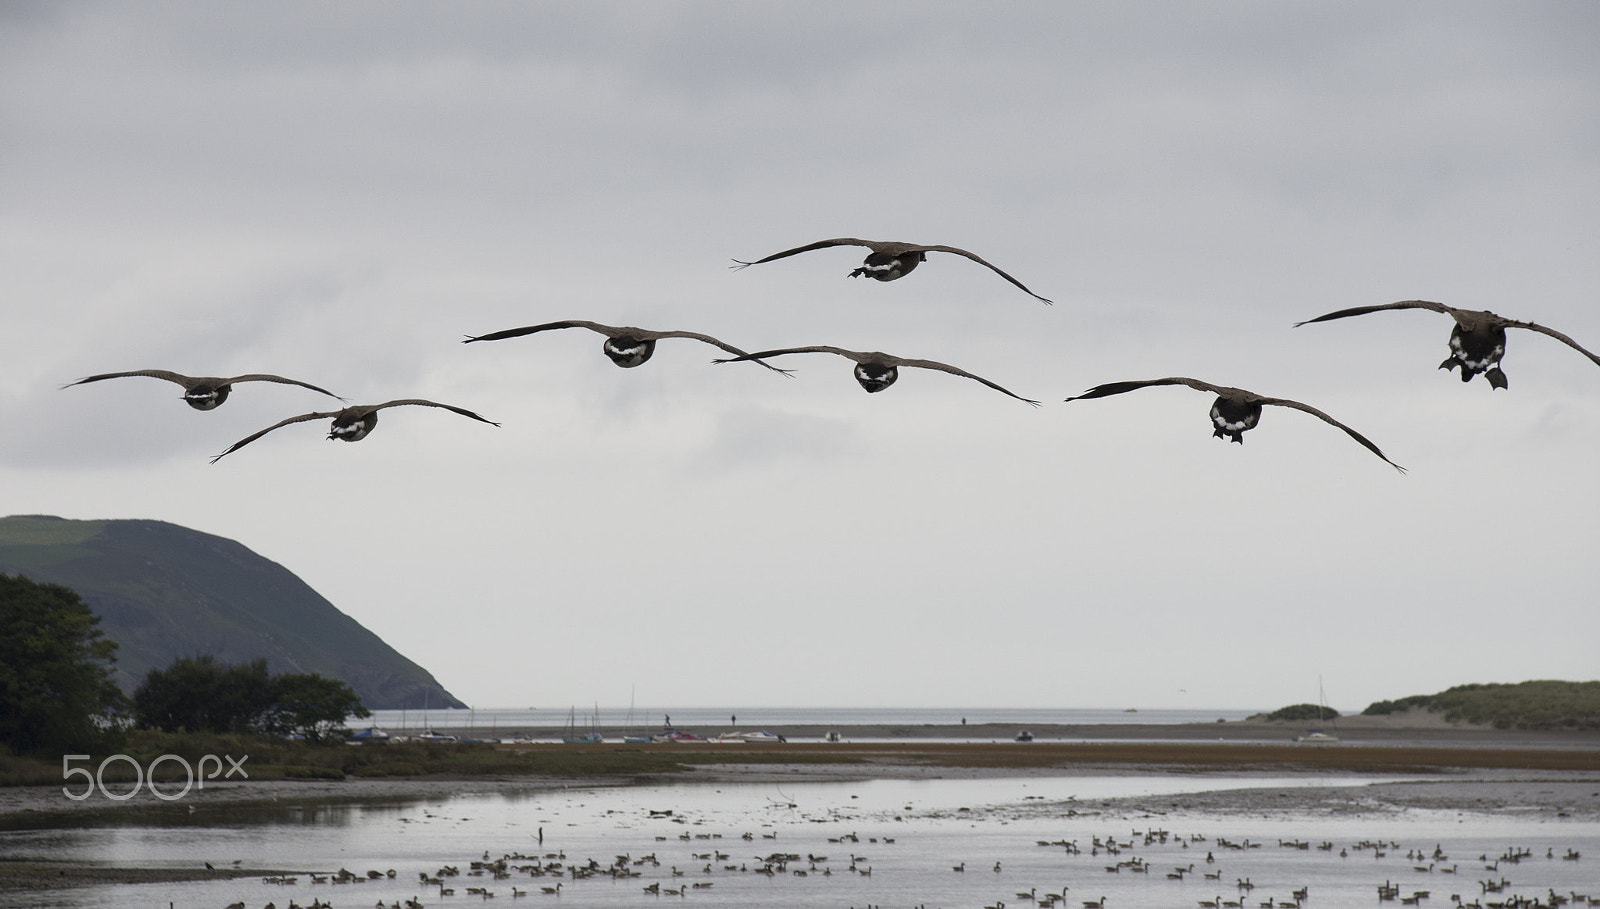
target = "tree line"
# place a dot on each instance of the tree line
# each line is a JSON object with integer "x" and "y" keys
{"x": 57, "y": 694}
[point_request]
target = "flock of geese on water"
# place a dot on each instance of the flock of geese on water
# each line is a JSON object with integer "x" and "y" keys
{"x": 1477, "y": 344}
{"x": 701, "y": 867}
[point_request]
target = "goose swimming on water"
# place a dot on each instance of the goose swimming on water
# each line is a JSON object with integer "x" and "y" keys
{"x": 351, "y": 424}
{"x": 625, "y": 345}
{"x": 1235, "y": 411}
{"x": 876, "y": 370}
{"x": 888, "y": 260}
{"x": 1477, "y": 342}
{"x": 203, "y": 392}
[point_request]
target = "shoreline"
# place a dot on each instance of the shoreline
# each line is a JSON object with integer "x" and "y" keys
{"x": 1378, "y": 746}
{"x": 1413, "y": 728}
{"x": 1553, "y": 777}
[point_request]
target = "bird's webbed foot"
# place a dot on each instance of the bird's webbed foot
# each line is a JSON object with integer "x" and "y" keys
{"x": 1228, "y": 435}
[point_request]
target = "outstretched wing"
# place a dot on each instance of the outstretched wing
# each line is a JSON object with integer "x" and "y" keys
{"x": 264, "y": 377}
{"x": 278, "y": 425}
{"x": 152, "y": 373}
{"x": 418, "y": 401}
{"x": 1363, "y": 310}
{"x": 1532, "y": 326}
{"x": 957, "y": 371}
{"x": 1117, "y": 388}
{"x": 765, "y": 354}
{"x": 694, "y": 335}
{"x": 820, "y": 244}
{"x": 1285, "y": 402}
{"x": 530, "y": 329}
{"x": 987, "y": 264}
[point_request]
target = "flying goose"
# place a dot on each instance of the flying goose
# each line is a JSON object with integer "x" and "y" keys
{"x": 349, "y": 425}
{"x": 1477, "y": 342}
{"x": 888, "y": 260}
{"x": 203, "y": 392}
{"x": 876, "y": 370}
{"x": 1235, "y": 410}
{"x": 625, "y": 345}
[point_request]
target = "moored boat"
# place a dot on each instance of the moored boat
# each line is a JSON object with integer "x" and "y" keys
{"x": 574, "y": 737}
{"x": 761, "y": 736}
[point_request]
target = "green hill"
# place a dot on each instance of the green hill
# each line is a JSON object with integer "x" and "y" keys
{"x": 164, "y": 591}
{"x": 1544, "y": 704}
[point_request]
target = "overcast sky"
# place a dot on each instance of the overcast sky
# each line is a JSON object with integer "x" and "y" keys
{"x": 340, "y": 193}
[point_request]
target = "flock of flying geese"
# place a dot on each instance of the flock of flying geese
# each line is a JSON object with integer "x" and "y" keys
{"x": 1477, "y": 344}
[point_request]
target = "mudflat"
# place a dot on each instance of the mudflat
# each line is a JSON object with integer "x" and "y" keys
{"x": 1465, "y": 769}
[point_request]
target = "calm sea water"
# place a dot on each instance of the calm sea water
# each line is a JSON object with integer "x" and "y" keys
{"x": 910, "y": 835}
{"x": 721, "y": 718}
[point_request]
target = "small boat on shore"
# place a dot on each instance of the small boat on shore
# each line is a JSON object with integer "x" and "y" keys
{"x": 574, "y": 737}
{"x": 1024, "y": 736}
{"x": 629, "y": 735}
{"x": 677, "y": 735}
{"x": 761, "y": 736}
{"x": 1316, "y": 735}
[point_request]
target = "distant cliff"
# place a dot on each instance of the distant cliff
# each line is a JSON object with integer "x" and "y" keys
{"x": 164, "y": 591}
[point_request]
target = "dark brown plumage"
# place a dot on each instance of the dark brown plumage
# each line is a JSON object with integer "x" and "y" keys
{"x": 1478, "y": 341}
{"x": 889, "y": 259}
{"x": 1235, "y": 410}
{"x": 351, "y": 424}
{"x": 625, "y": 345}
{"x": 203, "y": 392}
{"x": 876, "y": 370}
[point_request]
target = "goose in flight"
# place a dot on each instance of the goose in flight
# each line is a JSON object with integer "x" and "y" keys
{"x": 876, "y": 370}
{"x": 203, "y": 392}
{"x": 625, "y": 345}
{"x": 351, "y": 424}
{"x": 1477, "y": 342}
{"x": 888, "y": 260}
{"x": 1235, "y": 411}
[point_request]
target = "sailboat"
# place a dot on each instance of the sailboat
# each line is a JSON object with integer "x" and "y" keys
{"x": 1315, "y": 733}
{"x": 629, "y": 734}
{"x": 573, "y": 736}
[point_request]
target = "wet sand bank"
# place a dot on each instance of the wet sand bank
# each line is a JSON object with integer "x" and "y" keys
{"x": 1549, "y": 775}
{"x": 865, "y": 754}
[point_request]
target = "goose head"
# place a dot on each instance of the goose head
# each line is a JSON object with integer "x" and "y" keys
{"x": 1232, "y": 419}
{"x": 206, "y": 396}
{"x": 629, "y": 352}
{"x": 882, "y": 266}
{"x": 352, "y": 427}
{"x": 1477, "y": 348}
{"x": 875, "y": 376}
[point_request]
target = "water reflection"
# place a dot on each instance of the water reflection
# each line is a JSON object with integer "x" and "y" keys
{"x": 903, "y": 839}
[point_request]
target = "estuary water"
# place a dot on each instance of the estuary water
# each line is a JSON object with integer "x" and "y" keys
{"x": 891, "y": 843}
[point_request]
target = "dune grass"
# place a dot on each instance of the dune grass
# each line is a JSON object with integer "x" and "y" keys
{"x": 1543, "y": 704}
